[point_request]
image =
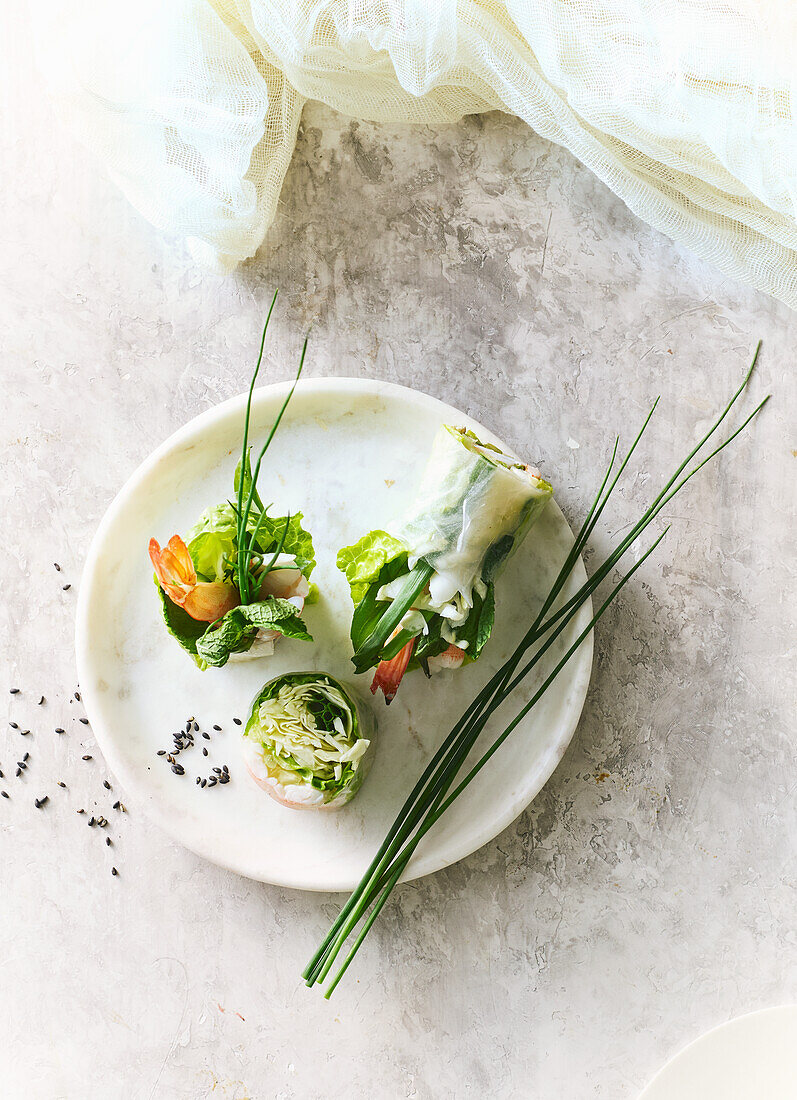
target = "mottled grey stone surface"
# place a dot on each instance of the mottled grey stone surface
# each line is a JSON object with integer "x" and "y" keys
{"x": 649, "y": 892}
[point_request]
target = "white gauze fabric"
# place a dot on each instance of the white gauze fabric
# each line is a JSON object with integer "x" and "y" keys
{"x": 685, "y": 108}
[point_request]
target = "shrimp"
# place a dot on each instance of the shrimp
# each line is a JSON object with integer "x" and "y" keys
{"x": 389, "y": 673}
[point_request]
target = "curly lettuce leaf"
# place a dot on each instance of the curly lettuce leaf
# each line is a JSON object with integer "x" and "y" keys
{"x": 213, "y": 541}
{"x": 236, "y": 631}
{"x": 362, "y": 563}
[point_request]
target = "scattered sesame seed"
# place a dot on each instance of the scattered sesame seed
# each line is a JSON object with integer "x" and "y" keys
{"x": 13, "y": 691}
{"x": 102, "y": 822}
{"x": 88, "y": 757}
{"x": 5, "y": 794}
{"x": 116, "y": 805}
{"x": 39, "y": 802}
{"x": 77, "y": 696}
{"x": 65, "y": 587}
{"x": 161, "y": 752}
{"x": 59, "y": 730}
{"x": 217, "y": 728}
{"x": 204, "y": 752}
{"x": 114, "y": 872}
{"x": 106, "y": 784}
{"x": 60, "y": 784}
{"x": 212, "y": 781}
{"x": 237, "y": 721}
{"x": 196, "y": 727}
{"x": 21, "y": 764}
{"x": 108, "y": 841}
{"x": 204, "y": 783}
{"x": 1, "y": 775}
{"x": 41, "y": 702}
{"x": 178, "y": 769}
{"x": 81, "y": 811}
{"x": 57, "y": 567}
{"x": 24, "y": 733}
{"x": 91, "y": 822}
{"x": 84, "y": 721}
{"x": 206, "y": 736}
{"x": 26, "y": 756}
{"x": 224, "y": 778}
{"x": 19, "y": 772}
{"x": 14, "y": 725}
{"x": 198, "y": 780}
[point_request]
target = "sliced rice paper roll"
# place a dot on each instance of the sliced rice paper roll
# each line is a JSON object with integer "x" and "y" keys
{"x": 423, "y": 591}
{"x": 309, "y": 740}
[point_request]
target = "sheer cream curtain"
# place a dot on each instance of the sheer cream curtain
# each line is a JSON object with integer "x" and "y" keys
{"x": 685, "y": 108}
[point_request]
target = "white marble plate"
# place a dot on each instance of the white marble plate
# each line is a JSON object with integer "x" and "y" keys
{"x": 753, "y": 1057}
{"x": 348, "y": 454}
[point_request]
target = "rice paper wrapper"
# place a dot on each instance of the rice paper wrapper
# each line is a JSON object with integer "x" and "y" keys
{"x": 474, "y": 506}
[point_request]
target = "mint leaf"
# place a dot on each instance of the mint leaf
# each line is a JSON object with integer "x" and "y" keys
{"x": 236, "y": 631}
{"x": 181, "y": 626}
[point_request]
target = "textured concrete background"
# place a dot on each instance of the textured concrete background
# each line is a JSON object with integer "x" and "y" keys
{"x": 649, "y": 892}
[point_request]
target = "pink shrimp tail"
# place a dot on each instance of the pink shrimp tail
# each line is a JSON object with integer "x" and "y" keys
{"x": 389, "y": 673}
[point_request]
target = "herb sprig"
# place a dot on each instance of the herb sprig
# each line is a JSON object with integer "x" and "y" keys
{"x": 246, "y": 540}
{"x": 429, "y": 798}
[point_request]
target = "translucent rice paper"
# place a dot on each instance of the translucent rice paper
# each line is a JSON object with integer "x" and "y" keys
{"x": 468, "y": 503}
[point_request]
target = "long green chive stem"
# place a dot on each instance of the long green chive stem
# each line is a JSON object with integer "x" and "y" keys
{"x": 394, "y": 871}
{"x": 243, "y": 587}
{"x": 415, "y": 582}
{"x": 248, "y": 544}
{"x": 450, "y": 755}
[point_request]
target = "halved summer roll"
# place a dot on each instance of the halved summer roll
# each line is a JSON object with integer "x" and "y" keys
{"x": 423, "y": 594}
{"x": 241, "y": 578}
{"x": 308, "y": 742}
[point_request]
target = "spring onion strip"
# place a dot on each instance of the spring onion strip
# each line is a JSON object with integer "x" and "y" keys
{"x": 427, "y": 801}
{"x": 415, "y": 583}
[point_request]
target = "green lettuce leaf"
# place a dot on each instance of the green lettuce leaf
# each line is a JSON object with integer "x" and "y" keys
{"x": 212, "y": 542}
{"x": 362, "y": 563}
{"x": 478, "y": 626}
{"x": 181, "y": 626}
{"x": 236, "y": 631}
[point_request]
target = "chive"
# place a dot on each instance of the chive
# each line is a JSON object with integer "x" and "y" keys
{"x": 415, "y": 583}
{"x": 428, "y": 800}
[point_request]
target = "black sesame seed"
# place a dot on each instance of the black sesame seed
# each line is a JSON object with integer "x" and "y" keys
{"x": 18, "y": 772}
{"x": 237, "y": 721}
{"x": 204, "y": 752}
{"x": 57, "y": 567}
{"x": 21, "y": 764}
{"x": 41, "y": 702}
{"x": 108, "y": 841}
{"x": 66, "y": 587}
{"x": 225, "y": 768}
{"x": 13, "y": 691}
{"x": 81, "y": 811}
{"x": 188, "y": 726}
{"x": 215, "y": 728}
{"x": 114, "y": 871}
{"x": 24, "y": 733}
{"x": 91, "y": 822}
{"x": 88, "y": 757}
{"x": 122, "y": 807}
{"x": 5, "y": 794}
{"x": 77, "y": 696}
{"x": 206, "y": 736}
{"x": 60, "y": 784}
{"x": 84, "y": 721}
{"x": 116, "y": 805}
{"x": 170, "y": 758}
{"x": 26, "y": 756}
{"x": 14, "y": 725}
{"x": 39, "y": 802}
{"x": 102, "y": 822}
{"x": 161, "y": 752}
{"x": 217, "y": 771}
{"x": 106, "y": 784}
{"x": 59, "y": 730}
{"x": 1, "y": 775}
{"x": 212, "y": 781}
{"x": 224, "y": 779}
{"x": 198, "y": 780}
{"x": 178, "y": 769}
{"x": 204, "y": 783}
{"x": 196, "y": 727}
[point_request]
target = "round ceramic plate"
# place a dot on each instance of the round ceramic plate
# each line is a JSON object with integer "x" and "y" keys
{"x": 348, "y": 454}
{"x": 749, "y": 1058}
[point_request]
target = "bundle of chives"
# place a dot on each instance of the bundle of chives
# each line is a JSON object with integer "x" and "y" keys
{"x": 247, "y": 540}
{"x": 429, "y": 798}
